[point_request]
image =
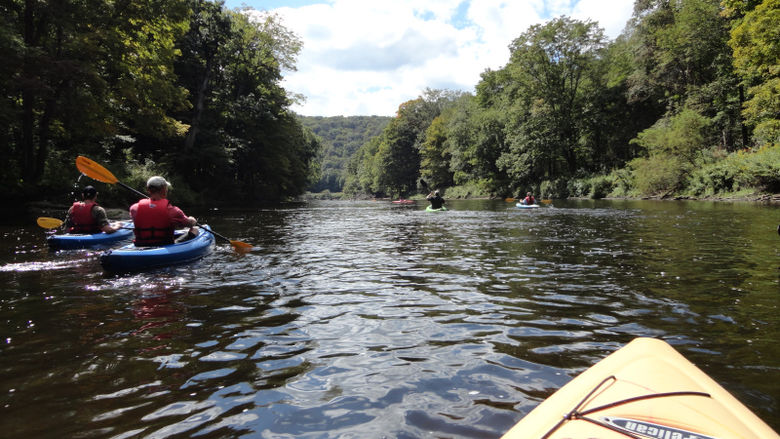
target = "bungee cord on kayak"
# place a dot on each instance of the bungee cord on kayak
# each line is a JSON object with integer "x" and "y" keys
{"x": 576, "y": 414}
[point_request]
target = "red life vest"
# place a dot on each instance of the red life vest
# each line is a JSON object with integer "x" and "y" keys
{"x": 153, "y": 226}
{"x": 82, "y": 219}
{"x": 529, "y": 200}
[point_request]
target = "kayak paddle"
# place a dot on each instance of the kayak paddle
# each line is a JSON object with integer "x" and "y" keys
{"x": 49, "y": 223}
{"x": 97, "y": 172}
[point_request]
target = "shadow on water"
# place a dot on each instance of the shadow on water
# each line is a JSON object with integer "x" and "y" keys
{"x": 352, "y": 318}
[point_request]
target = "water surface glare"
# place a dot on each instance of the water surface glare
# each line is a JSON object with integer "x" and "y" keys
{"x": 367, "y": 319}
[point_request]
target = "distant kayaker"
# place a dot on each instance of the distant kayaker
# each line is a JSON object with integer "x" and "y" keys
{"x": 435, "y": 199}
{"x": 86, "y": 216}
{"x": 155, "y": 218}
{"x": 529, "y": 199}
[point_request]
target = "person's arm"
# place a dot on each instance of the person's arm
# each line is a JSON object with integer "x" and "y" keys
{"x": 68, "y": 223}
{"x": 179, "y": 219}
{"x": 101, "y": 219}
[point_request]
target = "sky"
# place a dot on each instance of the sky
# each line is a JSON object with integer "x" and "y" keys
{"x": 366, "y": 57}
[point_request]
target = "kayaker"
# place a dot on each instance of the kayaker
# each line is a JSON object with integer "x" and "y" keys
{"x": 435, "y": 199}
{"x": 529, "y": 199}
{"x": 86, "y": 216}
{"x": 155, "y": 218}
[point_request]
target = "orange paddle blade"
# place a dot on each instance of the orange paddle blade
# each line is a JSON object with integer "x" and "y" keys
{"x": 509, "y": 200}
{"x": 94, "y": 170}
{"x": 241, "y": 247}
{"x": 238, "y": 246}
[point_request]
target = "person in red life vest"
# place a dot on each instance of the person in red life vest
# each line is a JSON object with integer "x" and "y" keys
{"x": 86, "y": 216}
{"x": 529, "y": 199}
{"x": 155, "y": 218}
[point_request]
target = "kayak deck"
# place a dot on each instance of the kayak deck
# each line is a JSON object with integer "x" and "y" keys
{"x": 130, "y": 258}
{"x": 74, "y": 241}
{"x": 526, "y": 206}
{"x": 644, "y": 390}
{"x": 431, "y": 209}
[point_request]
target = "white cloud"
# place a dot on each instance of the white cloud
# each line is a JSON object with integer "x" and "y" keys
{"x": 367, "y": 57}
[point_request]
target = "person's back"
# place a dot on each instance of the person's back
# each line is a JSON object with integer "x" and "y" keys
{"x": 153, "y": 225}
{"x": 156, "y": 218}
{"x": 529, "y": 199}
{"x": 87, "y": 216}
{"x": 436, "y": 200}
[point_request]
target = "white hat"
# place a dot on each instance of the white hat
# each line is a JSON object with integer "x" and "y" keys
{"x": 157, "y": 183}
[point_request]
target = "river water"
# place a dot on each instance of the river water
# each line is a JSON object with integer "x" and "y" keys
{"x": 367, "y": 319}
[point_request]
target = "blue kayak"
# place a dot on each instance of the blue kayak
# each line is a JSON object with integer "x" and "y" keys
{"x": 130, "y": 258}
{"x": 431, "y": 209}
{"x": 73, "y": 241}
{"x": 527, "y": 206}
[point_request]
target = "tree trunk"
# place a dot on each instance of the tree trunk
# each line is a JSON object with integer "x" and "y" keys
{"x": 743, "y": 128}
{"x": 200, "y": 106}
{"x": 28, "y": 98}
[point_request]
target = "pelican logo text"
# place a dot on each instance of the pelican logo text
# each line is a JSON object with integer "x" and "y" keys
{"x": 650, "y": 430}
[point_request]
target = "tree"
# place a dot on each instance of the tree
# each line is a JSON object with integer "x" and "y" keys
{"x": 675, "y": 147}
{"x": 681, "y": 60}
{"x": 77, "y": 73}
{"x": 390, "y": 164}
{"x": 341, "y": 137}
{"x": 241, "y": 130}
{"x": 550, "y": 68}
{"x": 756, "y": 44}
{"x": 435, "y": 155}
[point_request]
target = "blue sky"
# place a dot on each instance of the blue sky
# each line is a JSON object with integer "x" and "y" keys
{"x": 366, "y": 57}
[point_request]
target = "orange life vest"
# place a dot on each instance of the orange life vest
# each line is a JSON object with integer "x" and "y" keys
{"x": 153, "y": 226}
{"x": 82, "y": 219}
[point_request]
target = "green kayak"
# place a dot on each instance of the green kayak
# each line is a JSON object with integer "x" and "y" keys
{"x": 431, "y": 209}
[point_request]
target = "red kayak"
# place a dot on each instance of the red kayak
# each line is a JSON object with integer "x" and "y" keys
{"x": 403, "y": 201}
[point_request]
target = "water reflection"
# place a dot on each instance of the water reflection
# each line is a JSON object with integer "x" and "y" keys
{"x": 352, "y": 318}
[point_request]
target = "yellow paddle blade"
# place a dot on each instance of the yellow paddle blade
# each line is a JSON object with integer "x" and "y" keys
{"x": 546, "y": 201}
{"x": 49, "y": 223}
{"x": 94, "y": 170}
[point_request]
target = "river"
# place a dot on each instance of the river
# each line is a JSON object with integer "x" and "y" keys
{"x": 367, "y": 319}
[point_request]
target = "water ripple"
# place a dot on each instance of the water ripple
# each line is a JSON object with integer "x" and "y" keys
{"x": 363, "y": 319}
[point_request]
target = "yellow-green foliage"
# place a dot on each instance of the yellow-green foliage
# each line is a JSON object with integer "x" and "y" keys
{"x": 554, "y": 189}
{"x": 741, "y": 170}
{"x": 681, "y": 135}
{"x": 139, "y": 173}
{"x": 468, "y": 191}
{"x": 756, "y": 58}
{"x": 657, "y": 174}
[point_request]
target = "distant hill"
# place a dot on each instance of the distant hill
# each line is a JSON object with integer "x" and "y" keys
{"x": 341, "y": 137}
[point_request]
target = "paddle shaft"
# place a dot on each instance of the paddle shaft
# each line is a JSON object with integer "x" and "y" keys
{"x": 226, "y": 239}
{"x": 99, "y": 173}
{"x": 139, "y": 193}
{"x": 197, "y": 224}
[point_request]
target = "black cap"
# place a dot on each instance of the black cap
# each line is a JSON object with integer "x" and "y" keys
{"x": 89, "y": 192}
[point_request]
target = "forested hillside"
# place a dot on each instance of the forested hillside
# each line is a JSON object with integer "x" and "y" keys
{"x": 187, "y": 89}
{"x": 685, "y": 102}
{"x": 340, "y": 137}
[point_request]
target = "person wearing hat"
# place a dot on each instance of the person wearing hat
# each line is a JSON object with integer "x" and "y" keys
{"x": 435, "y": 199}
{"x": 155, "y": 218}
{"x": 86, "y": 216}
